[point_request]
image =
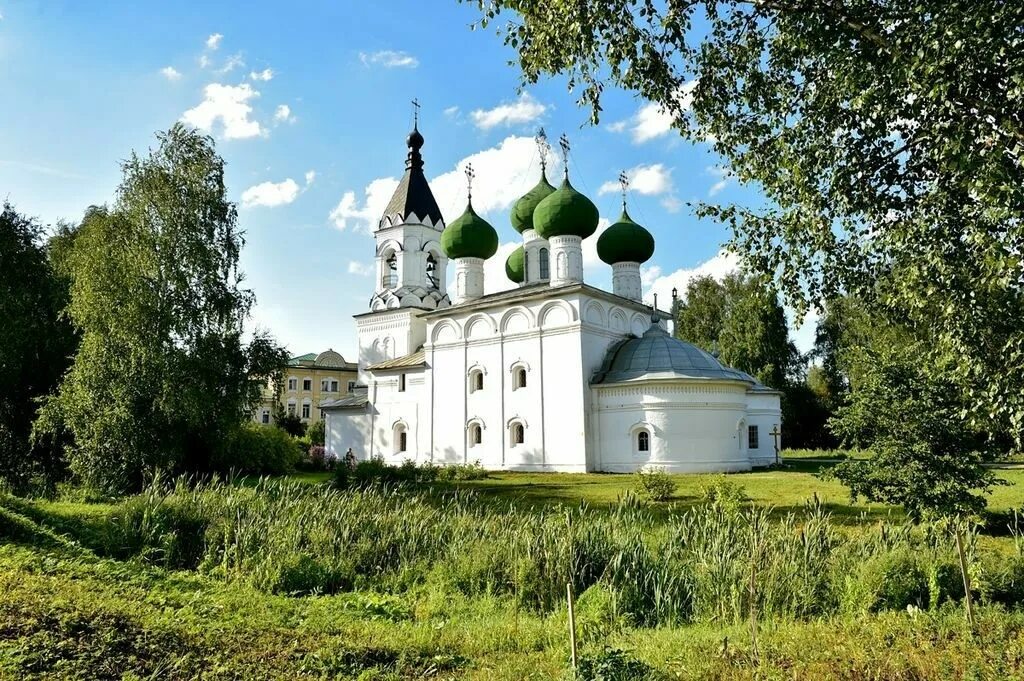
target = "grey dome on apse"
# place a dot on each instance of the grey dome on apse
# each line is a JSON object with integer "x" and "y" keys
{"x": 657, "y": 355}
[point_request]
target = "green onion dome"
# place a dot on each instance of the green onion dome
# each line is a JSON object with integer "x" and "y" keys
{"x": 565, "y": 212}
{"x": 515, "y": 266}
{"x": 469, "y": 236}
{"x": 522, "y": 211}
{"x": 625, "y": 241}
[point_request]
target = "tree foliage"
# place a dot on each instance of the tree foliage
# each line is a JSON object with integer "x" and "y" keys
{"x": 163, "y": 373}
{"x": 35, "y": 342}
{"x": 886, "y": 135}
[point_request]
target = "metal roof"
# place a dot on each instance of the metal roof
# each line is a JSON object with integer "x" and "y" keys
{"x": 657, "y": 355}
{"x": 347, "y": 402}
{"x": 416, "y": 359}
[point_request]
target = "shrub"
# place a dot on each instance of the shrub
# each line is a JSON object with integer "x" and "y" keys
{"x": 654, "y": 484}
{"x": 252, "y": 448}
{"x": 612, "y": 664}
{"x": 721, "y": 491}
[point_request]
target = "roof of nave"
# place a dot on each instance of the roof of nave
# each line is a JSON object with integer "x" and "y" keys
{"x": 539, "y": 290}
{"x": 415, "y": 359}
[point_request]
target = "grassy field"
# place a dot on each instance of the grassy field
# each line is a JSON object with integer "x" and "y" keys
{"x": 183, "y": 584}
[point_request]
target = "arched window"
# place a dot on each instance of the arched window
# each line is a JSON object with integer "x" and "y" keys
{"x": 545, "y": 265}
{"x": 291, "y": 407}
{"x": 389, "y": 278}
{"x": 643, "y": 441}
{"x": 561, "y": 265}
{"x": 476, "y": 434}
{"x": 518, "y": 378}
{"x": 516, "y": 434}
{"x": 431, "y": 270}
{"x": 476, "y": 380}
{"x": 526, "y": 266}
{"x": 401, "y": 438}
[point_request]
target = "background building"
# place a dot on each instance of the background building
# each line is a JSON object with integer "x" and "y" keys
{"x": 309, "y": 380}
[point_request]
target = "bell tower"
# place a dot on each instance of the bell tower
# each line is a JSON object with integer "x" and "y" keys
{"x": 411, "y": 266}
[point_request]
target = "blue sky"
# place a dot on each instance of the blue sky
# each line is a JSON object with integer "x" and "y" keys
{"x": 310, "y": 106}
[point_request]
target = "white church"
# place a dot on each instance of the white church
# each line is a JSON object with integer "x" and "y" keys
{"x": 555, "y": 375}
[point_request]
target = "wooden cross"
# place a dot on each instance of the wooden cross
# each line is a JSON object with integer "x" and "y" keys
{"x": 775, "y": 436}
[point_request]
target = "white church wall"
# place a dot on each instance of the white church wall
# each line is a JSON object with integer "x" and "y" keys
{"x": 395, "y": 410}
{"x": 764, "y": 410}
{"x": 693, "y": 426}
{"x": 347, "y": 428}
{"x": 384, "y": 336}
{"x": 542, "y": 338}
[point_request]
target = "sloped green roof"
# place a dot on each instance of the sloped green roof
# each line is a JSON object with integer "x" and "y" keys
{"x": 625, "y": 241}
{"x": 469, "y": 236}
{"x": 308, "y": 357}
{"x": 565, "y": 212}
{"x": 515, "y": 266}
{"x": 522, "y": 211}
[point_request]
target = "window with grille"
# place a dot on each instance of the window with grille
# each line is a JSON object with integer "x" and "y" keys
{"x": 752, "y": 437}
{"x": 643, "y": 441}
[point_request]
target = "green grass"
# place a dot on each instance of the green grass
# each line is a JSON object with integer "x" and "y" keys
{"x": 80, "y": 598}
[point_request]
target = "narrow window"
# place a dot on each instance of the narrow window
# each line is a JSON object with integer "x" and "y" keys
{"x": 307, "y": 384}
{"x": 476, "y": 435}
{"x": 526, "y": 266}
{"x": 518, "y": 378}
{"x": 752, "y": 437}
{"x": 291, "y": 409}
{"x": 323, "y": 385}
{"x": 517, "y": 434}
{"x": 401, "y": 383}
{"x": 266, "y": 416}
{"x": 305, "y": 410}
{"x": 400, "y": 440}
{"x": 643, "y": 441}
{"x": 293, "y": 383}
{"x": 476, "y": 380}
{"x": 334, "y": 386}
{"x": 545, "y": 266}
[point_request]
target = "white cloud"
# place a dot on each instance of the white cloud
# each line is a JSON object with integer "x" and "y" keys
{"x": 228, "y": 104}
{"x": 170, "y": 73}
{"x": 524, "y": 110}
{"x": 204, "y": 61}
{"x": 652, "y": 121}
{"x": 389, "y": 59}
{"x": 231, "y": 63}
{"x": 452, "y": 112}
{"x": 672, "y": 204}
{"x": 503, "y": 174}
{"x": 348, "y": 212}
{"x": 655, "y": 281}
{"x": 362, "y": 269}
{"x": 310, "y": 176}
{"x": 649, "y": 180}
{"x": 283, "y": 114}
{"x": 264, "y": 75}
{"x": 213, "y": 42}
{"x": 724, "y": 178}
{"x": 270, "y": 194}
